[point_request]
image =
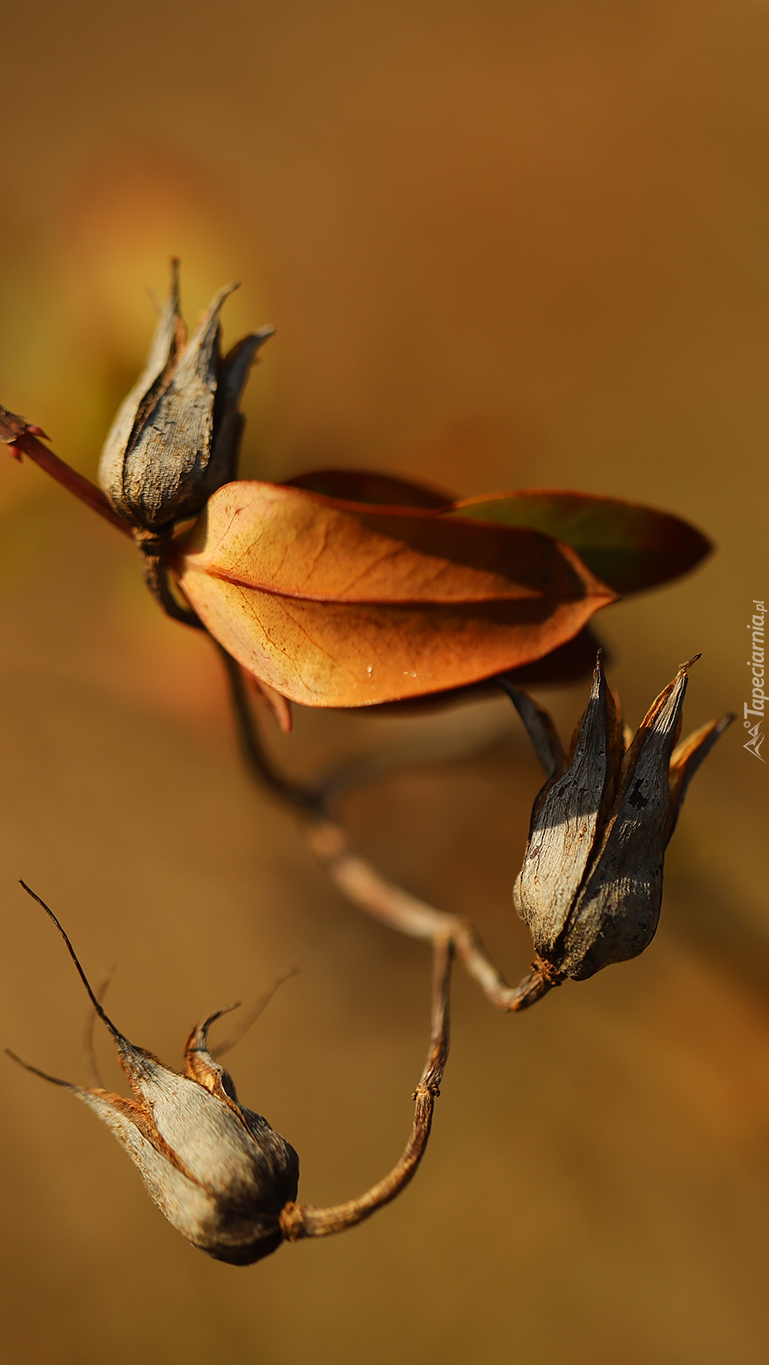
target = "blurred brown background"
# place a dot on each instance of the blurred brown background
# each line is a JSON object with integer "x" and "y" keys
{"x": 504, "y": 244}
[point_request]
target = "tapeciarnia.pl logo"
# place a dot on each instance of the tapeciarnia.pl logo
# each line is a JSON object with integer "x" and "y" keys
{"x": 755, "y": 707}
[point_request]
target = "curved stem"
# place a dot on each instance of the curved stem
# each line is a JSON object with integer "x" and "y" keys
{"x": 363, "y": 885}
{"x": 304, "y": 1220}
{"x": 153, "y": 546}
{"x": 261, "y": 767}
{"x": 393, "y": 906}
{"x": 89, "y": 989}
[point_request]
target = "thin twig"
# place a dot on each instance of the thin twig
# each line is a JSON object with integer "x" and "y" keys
{"x": 153, "y": 547}
{"x": 116, "y": 1034}
{"x": 363, "y": 885}
{"x": 305, "y": 799}
{"x": 102, "y": 986}
{"x": 303, "y": 1220}
{"x": 22, "y": 439}
{"x": 251, "y": 1016}
{"x": 393, "y": 906}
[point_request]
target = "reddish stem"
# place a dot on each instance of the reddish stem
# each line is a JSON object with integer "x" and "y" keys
{"x": 26, "y": 443}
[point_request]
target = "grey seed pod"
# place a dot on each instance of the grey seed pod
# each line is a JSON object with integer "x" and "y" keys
{"x": 175, "y": 438}
{"x": 224, "y": 1178}
{"x": 219, "y": 1172}
{"x": 590, "y": 888}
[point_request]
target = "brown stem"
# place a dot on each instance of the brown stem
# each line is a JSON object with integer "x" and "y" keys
{"x": 24, "y": 442}
{"x": 393, "y": 906}
{"x": 102, "y": 987}
{"x": 153, "y": 546}
{"x": 303, "y": 1220}
{"x": 99, "y": 1008}
{"x": 363, "y": 885}
{"x": 21, "y": 439}
{"x": 305, "y": 799}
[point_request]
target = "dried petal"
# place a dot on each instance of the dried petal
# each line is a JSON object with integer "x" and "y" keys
{"x": 686, "y": 759}
{"x": 168, "y": 339}
{"x": 229, "y": 421}
{"x": 615, "y": 914}
{"x": 566, "y": 822}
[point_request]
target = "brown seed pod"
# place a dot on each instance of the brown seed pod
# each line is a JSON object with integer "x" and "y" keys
{"x": 590, "y": 888}
{"x": 217, "y": 1170}
{"x": 176, "y": 436}
{"x": 221, "y": 1175}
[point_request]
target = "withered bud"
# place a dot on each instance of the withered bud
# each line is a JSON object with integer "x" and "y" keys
{"x": 590, "y": 888}
{"x": 176, "y": 437}
{"x": 217, "y": 1171}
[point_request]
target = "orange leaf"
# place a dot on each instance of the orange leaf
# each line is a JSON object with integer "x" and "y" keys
{"x": 626, "y": 544}
{"x": 334, "y": 605}
{"x": 569, "y": 663}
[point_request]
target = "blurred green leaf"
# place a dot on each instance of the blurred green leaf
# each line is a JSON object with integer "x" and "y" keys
{"x": 626, "y": 544}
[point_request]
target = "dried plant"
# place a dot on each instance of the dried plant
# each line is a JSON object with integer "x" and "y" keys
{"x": 347, "y": 588}
{"x": 217, "y": 1171}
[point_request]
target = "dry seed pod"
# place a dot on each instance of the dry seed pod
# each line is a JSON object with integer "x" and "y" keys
{"x": 590, "y": 888}
{"x": 217, "y": 1171}
{"x": 224, "y": 1178}
{"x": 176, "y": 436}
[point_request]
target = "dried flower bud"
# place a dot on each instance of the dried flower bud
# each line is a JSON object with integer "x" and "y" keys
{"x": 590, "y": 888}
{"x": 224, "y": 1178}
{"x": 217, "y": 1171}
{"x": 176, "y": 436}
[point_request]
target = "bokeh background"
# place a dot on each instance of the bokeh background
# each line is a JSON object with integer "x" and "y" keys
{"x": 519, "y": 243}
